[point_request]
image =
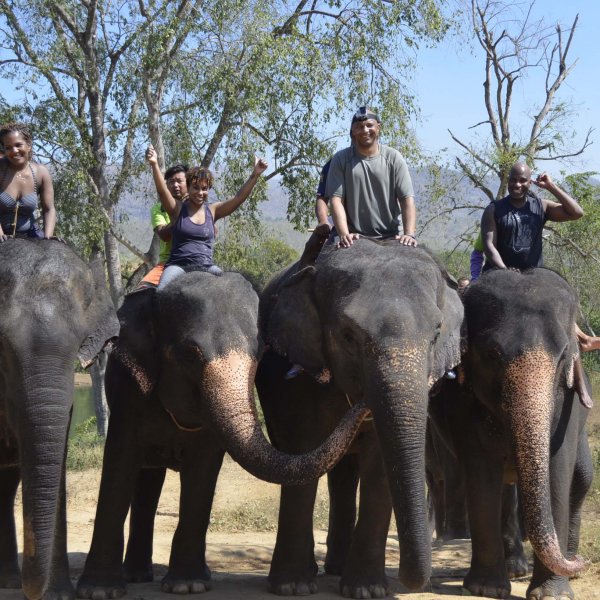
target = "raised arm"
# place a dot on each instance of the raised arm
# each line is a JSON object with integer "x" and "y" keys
{"x": 224, "y": 209}
{"x": 489, "y": 236}
{"x": 47, "y": 200}
{"x": 169, "y": 203}
{"x": 566, "y": 209}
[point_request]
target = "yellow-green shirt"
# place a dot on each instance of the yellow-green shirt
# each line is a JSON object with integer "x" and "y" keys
{"x": 159, "y": 216}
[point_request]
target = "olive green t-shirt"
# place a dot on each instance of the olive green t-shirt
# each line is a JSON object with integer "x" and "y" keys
{"x": 371, "y": 187}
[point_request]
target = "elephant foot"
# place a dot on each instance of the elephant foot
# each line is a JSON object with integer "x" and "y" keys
{"x": 372, "y": 590}
{"x": 491, "y": 582}
{"x": 293, "y": 588}
{"x": 555, "y": 588}
{"x": 10, "y": 578}
{"x": 100, "y": 588}
{"x": 138, "y": 574}
{"x": 195, "y": 584}
{"x": 60, "y": 594}
{"x": 516, "y": 566}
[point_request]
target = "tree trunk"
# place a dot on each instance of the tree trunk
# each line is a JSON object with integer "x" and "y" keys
{"x": 97, "y": 371}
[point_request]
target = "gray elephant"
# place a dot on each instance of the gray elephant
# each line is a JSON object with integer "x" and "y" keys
{"x": 180, "y": 387}
{"x": 525, "y": 423}
{"x": 55, "y": 310}
{"x": 383, "y": 322}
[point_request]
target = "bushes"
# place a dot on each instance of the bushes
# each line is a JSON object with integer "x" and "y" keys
{"x": 85, "y": 447}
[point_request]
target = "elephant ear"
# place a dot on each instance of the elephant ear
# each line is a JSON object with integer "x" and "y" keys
{"x": 293, "y": 325}
{"x": 447, "y": 348}
{"x": 136, "y": 348}
{"x": 102, "y": 324}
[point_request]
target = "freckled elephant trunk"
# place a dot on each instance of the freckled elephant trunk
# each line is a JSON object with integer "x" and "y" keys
{"x": 398, "y": 396}
{"x": 44, "y": 422}
{"x": 228, "y": 390}
{"x": 528, "y": 400}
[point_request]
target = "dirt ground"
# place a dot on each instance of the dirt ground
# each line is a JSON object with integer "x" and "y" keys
{"x": 240, "y": 561}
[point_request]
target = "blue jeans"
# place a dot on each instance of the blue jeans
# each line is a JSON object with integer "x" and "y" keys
{"x": 174, "y": 271}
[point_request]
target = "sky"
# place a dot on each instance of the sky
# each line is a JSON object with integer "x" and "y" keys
{"x": 449, "y": 79}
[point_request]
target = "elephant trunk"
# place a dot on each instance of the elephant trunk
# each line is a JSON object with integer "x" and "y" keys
{"x": 43, "y": 426}
{"x": 397, "y": 395}
{"x": 528, "y": 399}
{"x": 228, "y": 390}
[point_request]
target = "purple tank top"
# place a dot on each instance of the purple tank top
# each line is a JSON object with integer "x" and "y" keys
{"x": 192, "y": 243}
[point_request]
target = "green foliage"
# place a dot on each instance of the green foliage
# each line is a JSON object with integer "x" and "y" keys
{"x": 572, "y": 249}
{"x": 457, "y": 262}
{"x": 249, "y": 249}
{"x": 85, "y": 447}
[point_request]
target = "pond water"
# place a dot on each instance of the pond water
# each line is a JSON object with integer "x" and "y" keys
{"x": 83, "y": 406}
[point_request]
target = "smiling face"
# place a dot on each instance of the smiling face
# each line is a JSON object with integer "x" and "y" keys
{"x": 365, "y": 134}
{"x": 519, "y": 181}
{"x": 198, "y": 191}
{"x": 17, "y": 148}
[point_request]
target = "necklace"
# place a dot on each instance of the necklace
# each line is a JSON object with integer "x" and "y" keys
{"x": 21, "y": 174}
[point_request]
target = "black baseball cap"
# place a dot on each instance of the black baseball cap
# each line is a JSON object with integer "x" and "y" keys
{"x": 364, "y": 113}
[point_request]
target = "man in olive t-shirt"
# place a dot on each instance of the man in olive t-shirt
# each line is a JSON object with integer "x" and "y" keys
{"x": 369, "y": 186}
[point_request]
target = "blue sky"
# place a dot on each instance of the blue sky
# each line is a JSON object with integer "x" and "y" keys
{"x": 448, "y": 84}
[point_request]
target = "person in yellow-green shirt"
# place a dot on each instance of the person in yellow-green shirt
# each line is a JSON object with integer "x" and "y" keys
{"x": 161, "y": 223}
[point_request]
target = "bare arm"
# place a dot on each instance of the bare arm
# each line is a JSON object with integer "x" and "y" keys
{"x": 164, "y": 232}
{"x": 322, "y": 211}
{"x": 409, "y": 221}
{"x": 566, "y": 209}
{"x": 47, "y": 201}
{"x": 223, "y": 209}
{"x": 166, "y": 199}
{"x": 489, "y": 236}
{"x": 340, "y": 221}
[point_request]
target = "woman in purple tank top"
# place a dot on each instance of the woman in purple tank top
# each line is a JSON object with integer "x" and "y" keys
{"x": 193, "y": 218}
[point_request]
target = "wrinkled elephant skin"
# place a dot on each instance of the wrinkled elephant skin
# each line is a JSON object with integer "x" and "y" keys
{"x": 55, "y": 310}
{"x": 525, "y": 421}
{"x": 384, "y": 320}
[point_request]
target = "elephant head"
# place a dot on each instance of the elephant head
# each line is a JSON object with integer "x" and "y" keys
{"x": 196, "y": 345}
{"x": 54, "y": 310}
{"x": 385, "y": 321}
{"x": 519, "y": 362}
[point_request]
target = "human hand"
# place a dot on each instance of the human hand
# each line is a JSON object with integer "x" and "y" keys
{"x": 347, "y": 240}
{"x": 407, "y": 240}
{"x": 260, "y": 166}
{"x": 543, "y": 181}
{"x": 151, "y": 155}
{"x": 3, "y": 236}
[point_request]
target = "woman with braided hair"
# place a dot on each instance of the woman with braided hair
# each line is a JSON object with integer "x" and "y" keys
{"x": 22, "y": 183}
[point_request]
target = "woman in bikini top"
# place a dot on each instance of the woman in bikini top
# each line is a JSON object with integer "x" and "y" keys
{"x": 22, "y": 182}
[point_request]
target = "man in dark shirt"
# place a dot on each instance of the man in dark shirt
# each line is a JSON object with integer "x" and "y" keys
{"x": 512, "y": 227}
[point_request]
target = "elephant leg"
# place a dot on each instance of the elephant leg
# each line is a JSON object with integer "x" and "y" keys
{"x": 487, "y": 575}
{"x": 455, "y": 501}
{"x": 563, "y": 474}
{"x": 188, "y": 572}
{"x": 435, "y": 505}
{"x": 10, "y": 574}
{"x": 342, "y": 482}
{"x": 364, "y": 573}
{"x": 60, "y": 586}
{"x": 138, "y": 557}
{"x": 512, "y": 536}
{"x": 582, "y": 481}
{"x": 102, "y": 575}
{"x": 293, "y": 566}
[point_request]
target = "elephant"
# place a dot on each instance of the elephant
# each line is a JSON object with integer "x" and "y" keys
{"x": 524, "y": 424}
{"x": 55, "y": 310}
{"x": 379, "y": 324}
{"x": 179, "y": 385}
